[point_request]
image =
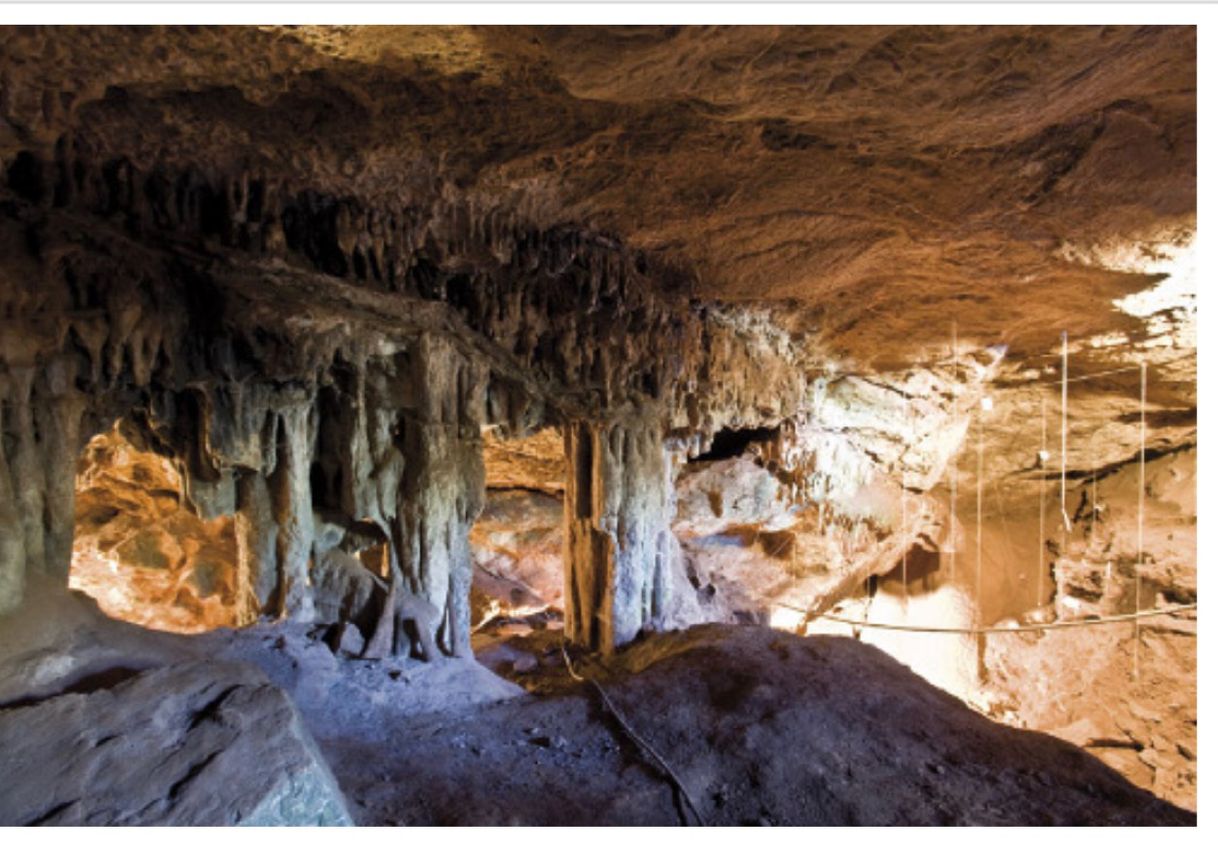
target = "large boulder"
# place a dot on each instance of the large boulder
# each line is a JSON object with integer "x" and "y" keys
{"x": 198, "y": 743}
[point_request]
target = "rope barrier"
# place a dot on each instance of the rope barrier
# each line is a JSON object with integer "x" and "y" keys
{"x": 1029, "y": 627}
{"x": 635, "y": 737}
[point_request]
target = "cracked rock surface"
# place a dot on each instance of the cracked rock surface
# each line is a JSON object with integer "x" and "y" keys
{"x": 186, "y": 744}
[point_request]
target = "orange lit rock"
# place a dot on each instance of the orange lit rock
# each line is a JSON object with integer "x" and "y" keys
{"x": 141, "y": 552}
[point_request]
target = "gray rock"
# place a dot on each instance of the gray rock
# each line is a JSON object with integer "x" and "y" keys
{"x": 344, "y": 590}
{"x": 190, "y": 744}
{"x": 345, "y": 638}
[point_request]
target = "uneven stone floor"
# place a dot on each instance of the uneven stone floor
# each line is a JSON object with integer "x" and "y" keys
{"x": 763, "y": 727}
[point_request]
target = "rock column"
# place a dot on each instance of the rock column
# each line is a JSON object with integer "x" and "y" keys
{"x": 40, "y": 437}
{"x": 443, "y": 485}
{"x": 292, "y": 502}
{"x": 12, "y": 535}
{"x": 618, "y": 549}
{"x": 58, "y": 416}
{"x": 256, "y": 542}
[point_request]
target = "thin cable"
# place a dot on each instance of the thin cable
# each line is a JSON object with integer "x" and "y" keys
{"x": 1040, "y": 548}
{"x": 955, "y": 459}
{"x": 1137, "y": 573}
{"x": 978, "y": 630}
{"x": 1103, "y": 373}
{"x": 634, "y": 736}
{"x": 1065, "y": 411}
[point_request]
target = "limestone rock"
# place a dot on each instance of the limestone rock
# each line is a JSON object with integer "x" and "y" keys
{"x": 517, "y": 546}
{"x": 344, "y": 590}
{"x": 189, "y": 744}
{"x": 345, "y": 638}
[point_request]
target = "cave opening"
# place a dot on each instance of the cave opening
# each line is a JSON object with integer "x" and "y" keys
{"x": 732, "y": 443}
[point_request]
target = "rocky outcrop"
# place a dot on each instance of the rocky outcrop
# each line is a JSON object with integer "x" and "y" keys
{"x": 188, "y": 744}
{"x": 1138, "y": 713}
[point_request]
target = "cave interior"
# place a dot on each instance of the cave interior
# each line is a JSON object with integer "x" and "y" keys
{"x": 598, "y": 425}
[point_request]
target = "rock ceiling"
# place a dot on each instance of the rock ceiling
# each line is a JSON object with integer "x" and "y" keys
{"x": 873, "y": 183}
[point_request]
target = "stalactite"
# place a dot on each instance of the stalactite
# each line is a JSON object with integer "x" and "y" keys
{"x": 309, "y": 392}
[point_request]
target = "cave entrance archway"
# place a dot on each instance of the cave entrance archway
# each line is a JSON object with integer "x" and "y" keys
{"x": 140, "y": 550}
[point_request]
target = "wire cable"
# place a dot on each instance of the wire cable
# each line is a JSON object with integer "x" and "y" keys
{"x": 979, "y": 630}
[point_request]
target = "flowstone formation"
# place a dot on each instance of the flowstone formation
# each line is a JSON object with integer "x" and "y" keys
{"x": 323, "y": 409}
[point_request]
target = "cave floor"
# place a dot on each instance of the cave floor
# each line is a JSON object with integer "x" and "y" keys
{"x": 762, "y": 727}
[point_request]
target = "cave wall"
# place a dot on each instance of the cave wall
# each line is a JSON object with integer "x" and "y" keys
{"x": 140, "y": 550}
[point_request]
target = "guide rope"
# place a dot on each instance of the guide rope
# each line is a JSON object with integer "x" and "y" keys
{"x": 979, "y": 630}
{"x": 635, "y": 737}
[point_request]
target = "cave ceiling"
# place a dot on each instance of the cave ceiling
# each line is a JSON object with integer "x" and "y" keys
{"x": 870, "y": 184}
